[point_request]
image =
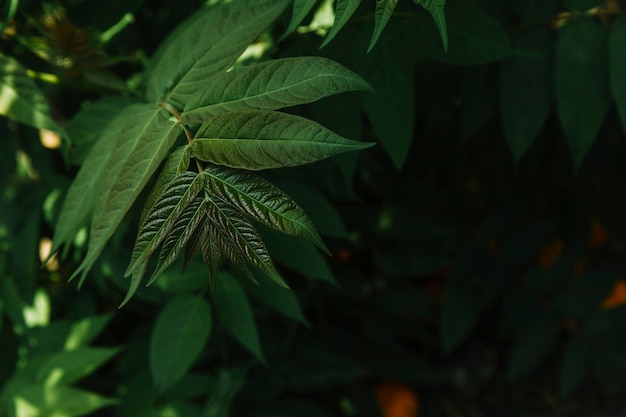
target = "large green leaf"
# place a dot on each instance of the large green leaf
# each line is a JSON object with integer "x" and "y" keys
{"x": 207, "y": 43}
{"x": 21, "y": 99}
{"x": 234, "y": 311}
{"x": 582, "y": 83}
{"x": 384, "y": 10}
{"x": 271, "y": 85}
{"x": 139, "y": 151}
{"x": 437, "y": 10}
{"x": 618, "y": 66}
{"x": 82, "y": 195}
{"x": 66, "y": 367}
{"x": 262, "y": 201}
{"x": 159, "y": 221}
{"x": 526, "y": 86}
{"x": 344, "y": 9}
{"x": 180, "y": 332}
{"x": 256, "y": 140}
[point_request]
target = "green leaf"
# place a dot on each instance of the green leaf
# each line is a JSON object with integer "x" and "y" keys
{"x": 82, "y": 194}
{"x": 201, "y": 241}
{"x": 582, "y": 87}
{"x": 532, "y": 344}
{"x": 271, "y": 85}
{"x": 344, "y": 9}
{"x": 179, "y": 194}
{"x": 57, "y": 401}
{"x": 574, "y": 365}
{"x": 262, "y": 201}
{"x": 180, "y": 332}
{"x": 618, "y": 66}
{"x": 234, "y": 311}
{"x": 178, "y": 236}
{"x": 257, "y": 140}
{"x": 301, "y": 9}
{"x": 384, "y": 10}
{"x": 139, "y": 152}
{"x": 207, "y": 43}
{"x": 86, "y": 330}
{"x": 66, "y": 367}
{"x": 460, "y": 311}
{"x": 242, "y": 238}
{"x": 86, "y": 127}
{"x": 525, "y": 86}
{"x": 391, "y": 111}
{"x": 229, "y": 383}
{"x": 436, "y": 9}
{"x": 21, "y": 99}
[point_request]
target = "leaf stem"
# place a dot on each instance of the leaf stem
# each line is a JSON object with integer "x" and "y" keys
{"x": 172, "y": 110}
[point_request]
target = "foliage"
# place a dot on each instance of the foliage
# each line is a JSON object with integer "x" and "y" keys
{"x": 469, "y": 261}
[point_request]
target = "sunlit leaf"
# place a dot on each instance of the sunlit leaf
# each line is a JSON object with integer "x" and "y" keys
{"x": 180, "y": 332}
{"x": 66, "y": 367}
{"x": 301, "y": 9}
{"x": 271, "y": 85}
{"x": 257, "y": 140}
{"x": 57, "y": 401}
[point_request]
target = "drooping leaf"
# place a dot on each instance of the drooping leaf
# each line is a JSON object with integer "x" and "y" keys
{"x": 66, "y": 367}
{"x": 384, "y": 10}
{"x": 21, "y": 99}
{"x": 262, "y": 201}
{"x": 207, "y": 43}
{"x": 202, "y": 241}
{"x": 344, "y": 9}
{"x": 437, "y": 10}
{"x": 222, "y": 244}
{"x": 389, "y": 69}
{"x": 525, "y": 87}
{"x": 532, "y": 344}
{"x": 271, "y": 85}
{"x": 82, "y": 194}
{"x": 179, "y": 194}
{"x": 256, "y": 140}
{"x": 301, "y": 9}
{"x": 242, "y": 237}
{"x": 582, "y": 83}
{"x": 179, "y": 234}
{"x": 180, "y": 332}
{"x": 618, "y": 66}
{"x": 234, "y": 311}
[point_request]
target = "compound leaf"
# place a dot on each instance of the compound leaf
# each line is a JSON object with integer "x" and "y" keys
{"x": 257, "y": 140}
{"x": 262, "y": 201}
{"x": 179, "y": 334}
{"x": 271, "y": 85}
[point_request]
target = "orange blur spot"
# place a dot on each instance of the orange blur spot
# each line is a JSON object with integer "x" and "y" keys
{"x": 579, "y": 267}
{"x": 549, "y": 253}
{"x": 597, "y": 235}
{"x": 397, "y": 400}
{"x": 343, "y": 255}
{"x": 617, "y": 296}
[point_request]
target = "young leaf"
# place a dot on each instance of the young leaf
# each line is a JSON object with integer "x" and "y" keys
{"x": 21, "y": 99}
{"x": 207, "y": 43}
{"x": 300, "y": 10}
{"x": 222, "y": 244}
{"x": 180, "y": 192}
{"x": 202, "y": 241}
{"x": 618, "y": 66}
{"x": 343, "y": 11}
{"x": 384, "y": 10}
{"x": 262, "y": 201}
{"x": 582, "y": 88}
{"x": 256, "y": 140}
{"x": 180, "y": 332}
{"x": 138, "y": 154}
{"x": 436, "y": 9}
{"x": 233, "y": 309}
{"x": 242, "y": 237}
{"x": 271, "y": 85}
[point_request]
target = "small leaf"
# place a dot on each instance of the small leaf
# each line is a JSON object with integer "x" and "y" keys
{"x": 343, "y": 11}
{"x": 21, "y": 99}
{"x": 436, "y": 9}
{"x": 257, "y": 140}
{"x": 242, "y": 237}
{"x": 532, "y": 344}
{"x": 271, "y": 85}
{"x": 301, "y": 9}
{"x": 233, "y": 308}
{"x": 582, "y": 87}
{"x": 180, "y": 332}
{"x": 384, "y": 10}
{"x": 262, "y": 201}
{"x": 207, "y": 43}
{"x": 180, "y": 192}
{"x": 66, "y": 367}
{"x": 618, "y": 66}
{"x": 202, "y": 241}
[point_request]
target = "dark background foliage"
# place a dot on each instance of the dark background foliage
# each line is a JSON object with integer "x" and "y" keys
{"x": 475, "y": 249}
